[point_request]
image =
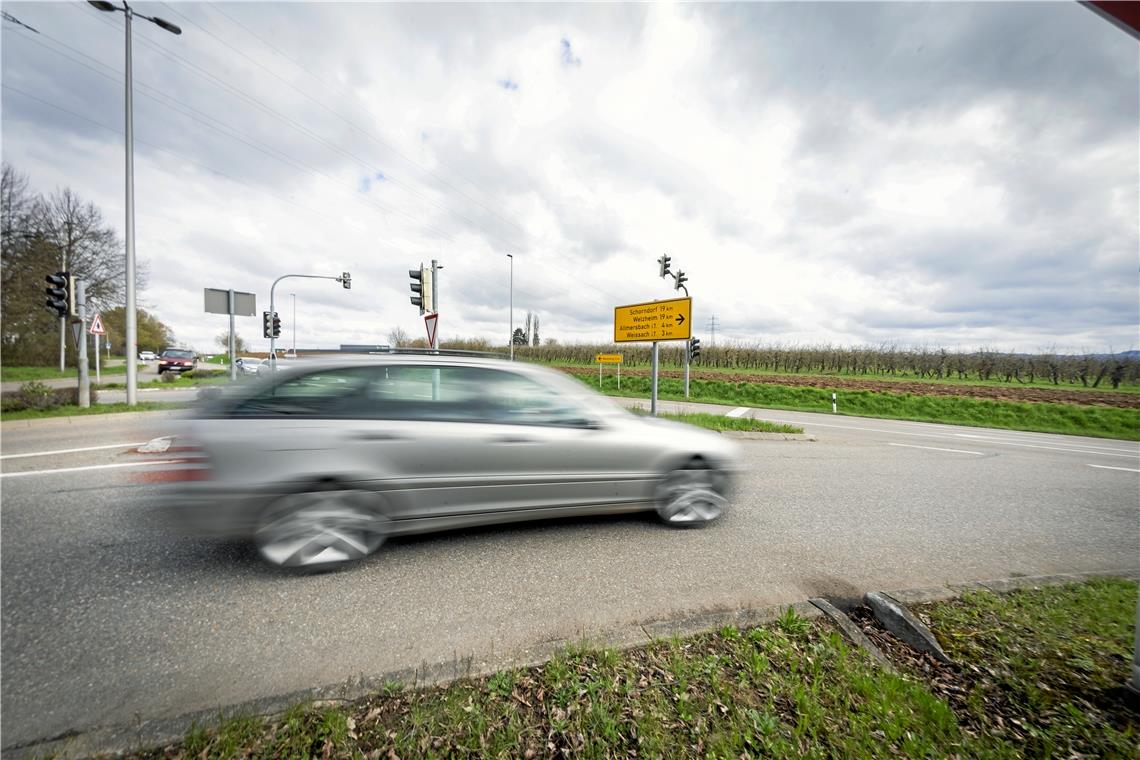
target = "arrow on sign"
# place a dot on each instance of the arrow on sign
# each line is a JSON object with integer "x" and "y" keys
{"x": 680, "y": 319}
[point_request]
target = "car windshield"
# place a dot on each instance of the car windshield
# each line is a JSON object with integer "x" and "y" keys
{"x": 177, "y": 354}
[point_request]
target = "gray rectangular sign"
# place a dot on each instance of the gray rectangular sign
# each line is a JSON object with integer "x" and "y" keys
{"x": 218, "y": 302}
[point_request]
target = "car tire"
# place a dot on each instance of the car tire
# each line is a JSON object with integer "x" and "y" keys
{"x": 691, "y": 495}
{"x": 321, "y": 529}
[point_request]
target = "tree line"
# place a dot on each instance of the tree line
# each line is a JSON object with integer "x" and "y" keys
{"x": 1087, "y": 370}
{"x": 42, "y": 234}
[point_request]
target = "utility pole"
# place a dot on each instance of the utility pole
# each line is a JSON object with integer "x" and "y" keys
{"x": 712, "y": 328}
{"x": 84, "y": 377}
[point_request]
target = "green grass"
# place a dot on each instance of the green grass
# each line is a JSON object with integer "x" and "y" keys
{"x": 901, "y": 377}
{"x": 17, "y": 374}
{"x": 791, "y": 689}
{"x": 720, "y": 422}
{"x": 1098, "y": 421}
{"x": 70, "y": 411}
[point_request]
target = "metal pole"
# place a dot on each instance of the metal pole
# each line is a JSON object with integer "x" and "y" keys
{"x": 131, "y": 348}
{"x": 435, "y": 299}
{"x": 653, "y": 396}
{"x": 511, "y": 342}
{"x": 233, "y": 341}
{"x": 95, "y": 342}
{"x": 688, "y": 356}
{"x": 294, "y": 324}
{"x": 84, "y": 377}
{"x": 62, "y": 342}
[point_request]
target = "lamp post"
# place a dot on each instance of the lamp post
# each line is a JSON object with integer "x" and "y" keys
{"x": 512, "y": 340}
{"x": 131, "y": 348}
{"x": 294, "y": 295}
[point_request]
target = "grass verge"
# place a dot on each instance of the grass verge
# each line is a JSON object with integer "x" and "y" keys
{"x": 186, "y": 380}
{"x": 720, "y": 422}
{"x": 1097, "y": 421}
{"x": 794, "y": 688}
{"x": 18, "y": 374}
{"x": 74, "y": 411}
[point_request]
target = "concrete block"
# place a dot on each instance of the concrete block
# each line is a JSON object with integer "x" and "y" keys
{"x": 897, "y": 619}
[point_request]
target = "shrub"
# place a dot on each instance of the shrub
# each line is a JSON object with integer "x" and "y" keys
{"x": 36, "y": 395}
{"x": 169, "y": 377}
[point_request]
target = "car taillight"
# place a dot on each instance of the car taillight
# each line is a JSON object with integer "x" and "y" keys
{"x": 180, "y": 460}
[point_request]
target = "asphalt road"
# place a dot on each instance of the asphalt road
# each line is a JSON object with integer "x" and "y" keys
{"x": 108, "y": 619}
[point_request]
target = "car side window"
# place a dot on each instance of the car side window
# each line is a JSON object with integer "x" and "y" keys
{"x": 511, "y": 398}
{"x": 327, "y": 393}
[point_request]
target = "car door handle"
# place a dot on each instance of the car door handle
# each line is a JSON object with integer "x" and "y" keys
{"x": 377, "y": 437}
{"x": 512, "y": 439}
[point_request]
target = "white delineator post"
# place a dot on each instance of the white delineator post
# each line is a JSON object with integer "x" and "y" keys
{"x": 834, "y": 406}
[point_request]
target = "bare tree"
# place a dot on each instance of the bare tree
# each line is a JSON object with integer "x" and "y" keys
{"x": 398, "y": 337}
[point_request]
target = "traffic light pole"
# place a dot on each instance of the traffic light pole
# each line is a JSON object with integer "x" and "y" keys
{"x": 688, "y": 358}
{"x": 84, "y": 376}
{"x": 653, "y": 395}
{"x": 343, "y": 279}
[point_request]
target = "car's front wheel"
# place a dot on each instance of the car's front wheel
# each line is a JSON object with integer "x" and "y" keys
{"x": 321, "y": 529}
{"x": 691, "y": 495}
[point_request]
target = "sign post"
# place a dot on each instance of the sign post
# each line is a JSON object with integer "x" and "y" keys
{"x": 654, "y": 321}
{"x": 608, "y": 359}
{"x": 84, "y": 378}
{"x": 231, "y": 302}
{"x": 97, "y": 331}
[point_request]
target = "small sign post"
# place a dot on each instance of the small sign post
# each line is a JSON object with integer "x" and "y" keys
{"x": 96, "y": 329}
{"x": 609, "y": 359}
{"x": 231, "y": 302}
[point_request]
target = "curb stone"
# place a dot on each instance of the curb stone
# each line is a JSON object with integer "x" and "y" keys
{"x": 158, "y": 732}
{"x": 853, "y": 633}
{"x": 896, "y": 618}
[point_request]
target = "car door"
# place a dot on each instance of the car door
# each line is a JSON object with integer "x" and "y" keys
{"x": 462, "y": 440}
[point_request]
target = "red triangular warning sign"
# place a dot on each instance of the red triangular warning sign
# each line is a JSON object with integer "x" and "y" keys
{"x": 431, "y": 321}
{"x": 96, "y": 327}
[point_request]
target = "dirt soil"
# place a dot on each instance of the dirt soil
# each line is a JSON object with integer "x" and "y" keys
{"x": 993, "y": 392}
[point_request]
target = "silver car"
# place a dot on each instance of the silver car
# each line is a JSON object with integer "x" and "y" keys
{"x": 323, "y": 460}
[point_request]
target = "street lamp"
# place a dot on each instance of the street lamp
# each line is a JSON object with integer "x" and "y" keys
{"x": 294, "y": 295}
{"x": 512, "y": 340}
{"x": 131, "y": 348}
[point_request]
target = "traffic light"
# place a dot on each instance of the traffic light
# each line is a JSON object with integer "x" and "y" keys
{"x": 694, "y": 349}
{"x": 681, "y": 280}
{"x": 421, "y": 289}
{"x": 269, "y": 323}
{"x": 664, "y": 262}
{"x": 346, "y": 280}
{"x": 61, "y": 294}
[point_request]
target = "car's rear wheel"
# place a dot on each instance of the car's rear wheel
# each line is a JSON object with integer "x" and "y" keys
{"x": 691, "y": 495}
{"x": 321, "y": 529}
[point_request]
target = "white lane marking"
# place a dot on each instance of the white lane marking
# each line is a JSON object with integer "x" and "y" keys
{"x": 933, "y": 448}
{"x": 1086, "y": 446}
{"x": 1060, "y": 448}
{"x": 71, "y": 451}
{"x": 737, "y": 412}
{"x": 85, "y": 469}
{"x": 1106, "y": 467}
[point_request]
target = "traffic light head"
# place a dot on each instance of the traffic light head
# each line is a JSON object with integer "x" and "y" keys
{"x": 417, "y": 286}
{"x": 60, "y": 294}
{"x": 694, "y": 349}
{"x": 681, "y": 279}
{"x": 276, "y": 325}
{"x": 663, "y": 263}
{"x": 346, "y": 280}
{"x": 421, "y": 288}
{"x": 267, "y": 324}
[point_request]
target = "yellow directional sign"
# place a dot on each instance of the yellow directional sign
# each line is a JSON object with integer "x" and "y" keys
{"x": 656, "y": 320}
{"x": 608, "y": 358}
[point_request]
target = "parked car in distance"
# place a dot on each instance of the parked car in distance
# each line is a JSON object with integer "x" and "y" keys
{"x": 319, "y": 463}
{"x": 176, "y": 360}
{"x": 147, "y": 356}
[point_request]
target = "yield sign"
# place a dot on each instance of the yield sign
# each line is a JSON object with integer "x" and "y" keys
{"x": 431, "y": 321}
{"x": 96, "y": 327}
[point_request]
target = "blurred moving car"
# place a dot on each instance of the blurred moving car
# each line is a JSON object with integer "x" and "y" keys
{"x": 176, "y": 360}
{"x": 147, "y": 356}
{"x": 322, "y": 461}
{"x": 248, "y": 365}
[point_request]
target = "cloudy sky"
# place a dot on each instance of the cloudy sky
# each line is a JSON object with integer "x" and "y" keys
{"x": 962, "y": 175}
